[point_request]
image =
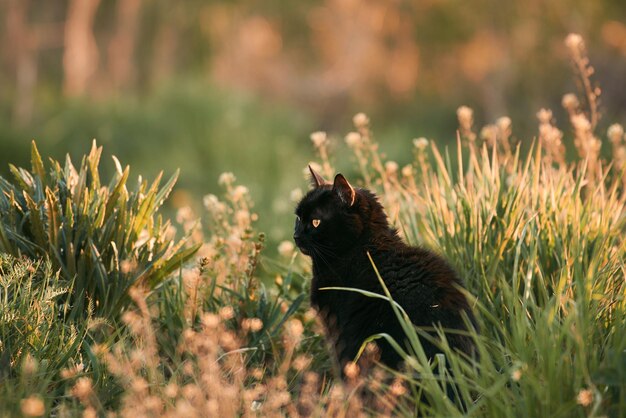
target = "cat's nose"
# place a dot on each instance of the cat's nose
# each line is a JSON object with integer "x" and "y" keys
{"x": 296, "y": 236}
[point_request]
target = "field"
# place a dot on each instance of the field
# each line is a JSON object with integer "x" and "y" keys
{"x": 111, "y": 303}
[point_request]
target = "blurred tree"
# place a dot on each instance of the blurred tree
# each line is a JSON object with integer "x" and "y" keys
{"x": 121, "y": 50}
{"x": 329, "y": 57}
{"x": 21, "y": 54}
{"x": 81, "y": 56}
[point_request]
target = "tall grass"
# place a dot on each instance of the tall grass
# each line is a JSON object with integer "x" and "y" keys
{"x": 71, "y": 249}
{"x": 541, "y": 248}
{"x": 34, "y": 344}
{"x": 103, "y": 239}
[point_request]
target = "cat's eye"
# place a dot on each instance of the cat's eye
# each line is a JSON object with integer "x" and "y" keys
{"x": 316, "y": 223}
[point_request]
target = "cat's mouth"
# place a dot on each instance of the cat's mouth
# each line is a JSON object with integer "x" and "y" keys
{"x": 301, "y": 247}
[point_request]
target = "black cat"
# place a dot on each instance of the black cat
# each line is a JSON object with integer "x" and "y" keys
{"x": 337, "y": 225}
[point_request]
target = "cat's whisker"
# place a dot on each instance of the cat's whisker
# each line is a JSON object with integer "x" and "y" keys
{"x": 319, "y": 254}
{"x": 326, "y": 251}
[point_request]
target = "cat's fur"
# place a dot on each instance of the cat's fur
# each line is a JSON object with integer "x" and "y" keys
{"x": 352, "y": 223}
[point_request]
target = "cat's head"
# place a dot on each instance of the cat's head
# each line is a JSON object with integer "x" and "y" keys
{"x": 333, "y": 217}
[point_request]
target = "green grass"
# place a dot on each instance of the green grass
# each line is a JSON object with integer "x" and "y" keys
{"x": 35, "y": 345}
{"x": 542, "y": 251}
{"x": 103, "y": 239}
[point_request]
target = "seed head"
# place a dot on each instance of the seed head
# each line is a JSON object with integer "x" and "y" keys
{"x": 82, "y": 389}
{"x": 351, "y": 370}
{"x": 318, "y": 138}
{"x": 504, "y": 123}
{"x": 361, "y": 120}
{"x": 397, "y": 388}
{"x": 183, "y": 215}
{"x": 585, "y": 397}
{"x": 574, "y": 41}
{"x": 32, "y": 406}
{"x": 310, "y": 315}
{"x": 301, "y": 362}
{"x": 353, "y": 139}
{"x": 570, "y": 101}
{"x": 29, "y": 365}
{"x": 391, "y": 168}
{"x": 286, "y": 248}
{"x": 210, "y": 320}
{"x": 544, "y": 115}
{"x": 171, "y": 390}
{"x": 239, "y": 192}
{"x": 581, "y": 123}
{"x": 89, "y": 412}
{"x": 407, "y": 170}
{"x": 295, "y": 195}
{"x": 489, "y": 133}
{"x": 211, "y": 203}
{"x": 420, "y": 143}
{"x": 294, "y": 331}
{"x": 615, "y": 133}
{"x": 465, "y": 116}
{"x": 252, "y": 324}
{"x": 72, "y": 371}
{"x": 226, "y": 178}
{"x": 226, "y": 313}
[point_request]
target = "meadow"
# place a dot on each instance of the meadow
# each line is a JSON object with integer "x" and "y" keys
{"x": 108, "y": 307}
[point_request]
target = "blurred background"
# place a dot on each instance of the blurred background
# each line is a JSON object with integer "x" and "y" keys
{"x": 238, "y": 85}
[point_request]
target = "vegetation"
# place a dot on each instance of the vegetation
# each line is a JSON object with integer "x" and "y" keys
{"x": 102, "y": 239}
{"x": 538, "y": 237}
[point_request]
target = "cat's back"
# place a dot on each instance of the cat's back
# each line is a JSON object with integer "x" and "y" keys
{"x": 412, "y": 265}
{"x": 419, "y": 279}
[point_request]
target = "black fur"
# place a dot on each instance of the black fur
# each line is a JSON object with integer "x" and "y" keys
{"x": 352, "y": 223}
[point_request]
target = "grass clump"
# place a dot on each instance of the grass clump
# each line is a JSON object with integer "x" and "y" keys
{"x": 540, "y": 243}
{"x": 34, "y": 344}
{"x": 102, "y": 238}
{"x": 71, "y": 249}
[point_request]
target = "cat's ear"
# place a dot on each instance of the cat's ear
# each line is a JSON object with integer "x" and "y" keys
{"x": 316, "y": 178}
{"x": 345, "y": 191}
